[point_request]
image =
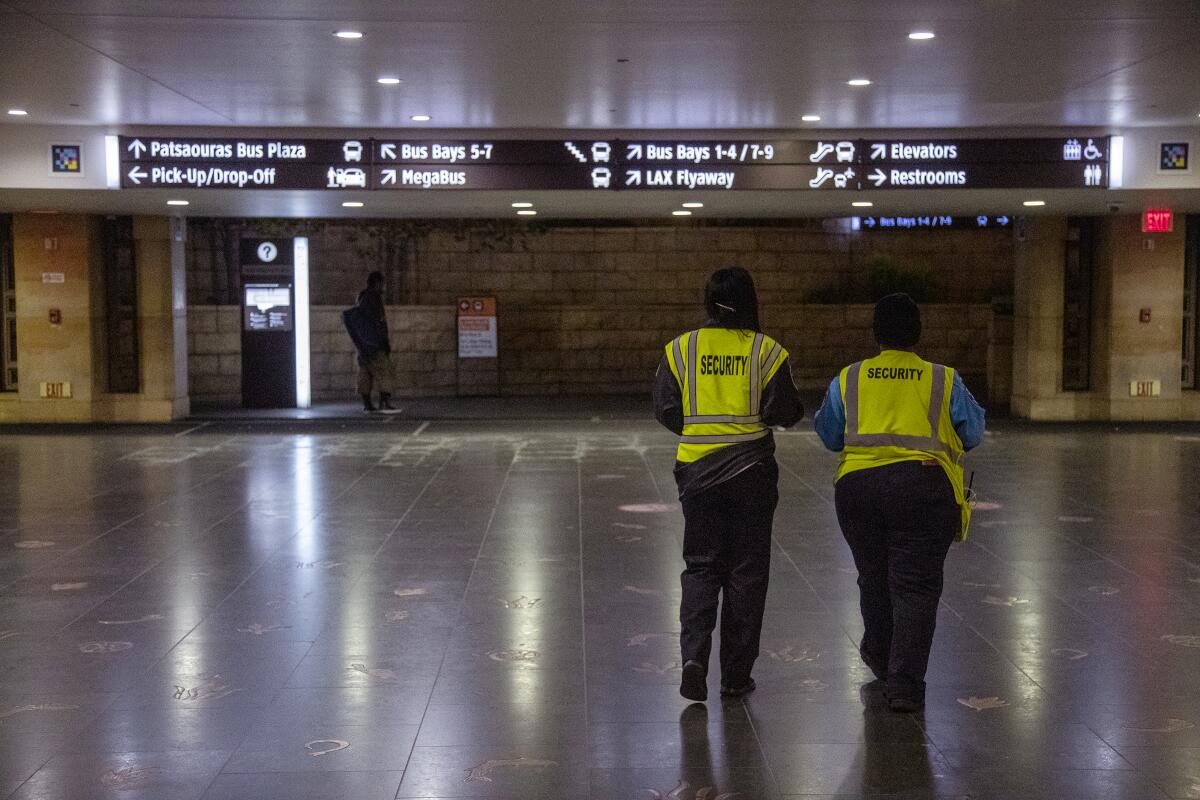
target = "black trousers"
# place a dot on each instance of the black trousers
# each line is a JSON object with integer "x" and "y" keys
{"x": 727, "y": 550}
{"x": 899, "y": 521}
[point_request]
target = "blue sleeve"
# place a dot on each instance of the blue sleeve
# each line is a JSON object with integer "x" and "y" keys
{"x": 966, "y": 414}
{"x": 830, "y": 420}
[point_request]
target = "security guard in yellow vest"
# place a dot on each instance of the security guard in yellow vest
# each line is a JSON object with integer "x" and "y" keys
{"x": 722, "y": 388}
{"x": 902, "y": 425}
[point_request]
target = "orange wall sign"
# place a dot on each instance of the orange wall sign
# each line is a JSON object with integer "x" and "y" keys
{"x": 477, "y": 331}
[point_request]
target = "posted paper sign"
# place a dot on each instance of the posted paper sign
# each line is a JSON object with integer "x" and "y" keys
{"x": 477, "y": 333}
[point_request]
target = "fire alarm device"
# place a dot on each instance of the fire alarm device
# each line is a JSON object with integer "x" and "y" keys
{"x": 1144, "y": 315}
{"x": 55, "y": 316}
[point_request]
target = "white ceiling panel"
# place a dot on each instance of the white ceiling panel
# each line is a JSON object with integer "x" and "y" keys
{"x": 516, "y": 64}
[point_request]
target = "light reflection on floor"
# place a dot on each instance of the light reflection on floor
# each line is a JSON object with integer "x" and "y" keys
{"x": 489, "y": 610}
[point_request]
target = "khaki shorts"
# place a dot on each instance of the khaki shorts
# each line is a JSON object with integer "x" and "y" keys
{"x": 375, "y": 374}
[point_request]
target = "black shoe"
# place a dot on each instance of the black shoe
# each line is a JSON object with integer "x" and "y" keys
{"x": 385, "y": 403}
{"x": 368, "y": 406}
{"x": 738, "y": 691}
{"x": 694, "y": 685}
{"x": 873, "y": 692}
{"x": 905, "y": 705}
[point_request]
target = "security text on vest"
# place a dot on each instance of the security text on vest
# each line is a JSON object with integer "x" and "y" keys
{"x": 723, "y": 365}
{"x": 894, "y": 373}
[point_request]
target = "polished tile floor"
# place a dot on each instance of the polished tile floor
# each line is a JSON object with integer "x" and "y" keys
{"x": 465, "y": 609}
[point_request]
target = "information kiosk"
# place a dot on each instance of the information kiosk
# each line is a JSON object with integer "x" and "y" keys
{"x": 275, "y": 336}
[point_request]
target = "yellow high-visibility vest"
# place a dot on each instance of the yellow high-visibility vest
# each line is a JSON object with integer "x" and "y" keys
{"x": 721, "y": 375}
{"x": 898, "y": 409}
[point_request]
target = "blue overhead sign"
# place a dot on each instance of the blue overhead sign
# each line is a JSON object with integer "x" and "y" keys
{"x": 907, "y": 222}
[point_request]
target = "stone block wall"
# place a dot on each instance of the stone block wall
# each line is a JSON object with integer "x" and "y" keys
{"x": 424, "y": 357}
{"x": 215, "y": 355}
{"x": 576, "y": 349}
{"x": 586, "y": 307}
{"x": 628, "y": 266}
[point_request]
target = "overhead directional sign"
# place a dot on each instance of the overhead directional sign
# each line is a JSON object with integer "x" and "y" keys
{"x": 904, "y": 222}
{"x": 615, "y": 164}
{"x": 186, "y": 162}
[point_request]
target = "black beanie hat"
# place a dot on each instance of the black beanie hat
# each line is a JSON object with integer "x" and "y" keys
{"x": 897, "y": 321}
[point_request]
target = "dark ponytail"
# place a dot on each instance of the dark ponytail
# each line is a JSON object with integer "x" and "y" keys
{"x": 730, "y": 300}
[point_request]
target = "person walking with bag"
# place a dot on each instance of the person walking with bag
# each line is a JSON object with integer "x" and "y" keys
{"x": 902, "y": 425}
{"x": 722, "y": 388}
{"x": 366, "y": 322}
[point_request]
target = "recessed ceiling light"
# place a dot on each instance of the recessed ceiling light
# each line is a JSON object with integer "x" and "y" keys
{"x": 18, "y": 112}
{"x": 349, "y": 34}
{"x": 681, "y": 213}
{"x": 352, "y": 204}
{"x": 921, "y": 36}
{"x": 527, "y": 212}
{"x": 859, "y": 82}
{"x": 1033, "y": 203}
{"x": 522, "y": 204}
{"x": 177, "y": 202}
{"x": 862, "y": 204}
{"x": 388, "y": 81}
{"x": 810, "y": 118}
{"x": 693, "y": 204}
{"x": 420, "y": 118}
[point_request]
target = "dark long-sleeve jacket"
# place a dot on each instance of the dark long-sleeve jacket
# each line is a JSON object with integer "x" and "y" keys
{"x": 781, "y": 406}
{"x": 371, "y": 336}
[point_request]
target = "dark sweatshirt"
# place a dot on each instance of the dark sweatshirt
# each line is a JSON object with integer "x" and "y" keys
{"x": 780, "y": 406}
{"x": 374, "y": 337}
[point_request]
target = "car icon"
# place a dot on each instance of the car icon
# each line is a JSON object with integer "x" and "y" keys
{"x": 601, "y": 151}
{"x": 601, "y": 178}
{"x": 845, "y": 151}
{"x": 352, "y": 151}
{"x": 345, "y": 177}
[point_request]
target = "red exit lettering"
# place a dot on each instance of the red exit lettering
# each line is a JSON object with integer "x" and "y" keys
{"x": 1158, "y": 220}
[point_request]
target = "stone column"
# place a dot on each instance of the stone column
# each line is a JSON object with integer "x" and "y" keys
{"x": 1037, "y": 321}
{"x": 1140, "y": 271}
{"x": 58, "y": 263}
{"x": 162, "y": 319}
{"x": 54, "y": 259}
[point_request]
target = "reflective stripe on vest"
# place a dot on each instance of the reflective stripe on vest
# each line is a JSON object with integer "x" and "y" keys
{"x": 929, "y": 443}
{"x": 690, "y": 372}
{"x": 684, "y": 375}
{"x": 723, "y": 438}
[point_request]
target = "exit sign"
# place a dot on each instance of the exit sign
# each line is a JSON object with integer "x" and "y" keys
{"x": 1158, "y": 220}
{"x": 1145, "y": 388}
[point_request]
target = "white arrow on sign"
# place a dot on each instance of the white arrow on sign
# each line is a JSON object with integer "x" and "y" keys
{"x": 389, "y": 176}
{"x": 878, "y": 177}
{"x": 1002, "y": 220}
{"x": 633, "y": 176}
{"x": 633, "y": 151}
{"x": 387, "y": 150}
{"x": 878, "y": 150}
{"x": 137, "y": 148}
{"x": 136, "y": 174}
